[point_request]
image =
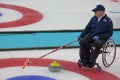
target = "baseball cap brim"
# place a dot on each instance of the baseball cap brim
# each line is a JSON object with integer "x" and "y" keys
{"x": 95, "y": 10}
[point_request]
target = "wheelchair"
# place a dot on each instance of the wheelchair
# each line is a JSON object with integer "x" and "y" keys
{"x": 108, "y": 52}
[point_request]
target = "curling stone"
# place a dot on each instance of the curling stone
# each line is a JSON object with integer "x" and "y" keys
{"x": 54, "y": 66}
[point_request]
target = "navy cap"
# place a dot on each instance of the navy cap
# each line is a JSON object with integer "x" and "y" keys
{"x": 99, "y": 8}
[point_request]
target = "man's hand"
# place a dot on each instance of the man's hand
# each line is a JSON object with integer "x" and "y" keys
{"x": 96, "y": 38}
{"x": 79, "y": 38}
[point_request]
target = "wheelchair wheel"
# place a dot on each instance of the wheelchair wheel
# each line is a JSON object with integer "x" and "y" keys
{"x": 109, "y": 53}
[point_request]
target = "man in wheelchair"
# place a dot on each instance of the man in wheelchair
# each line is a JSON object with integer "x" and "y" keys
{"x": 96, "y": 33}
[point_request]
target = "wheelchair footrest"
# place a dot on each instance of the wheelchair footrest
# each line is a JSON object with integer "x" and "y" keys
{"x": 98, "y": 68}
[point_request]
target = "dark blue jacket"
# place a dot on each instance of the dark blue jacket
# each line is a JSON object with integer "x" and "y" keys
{"x": 103, "y": 28}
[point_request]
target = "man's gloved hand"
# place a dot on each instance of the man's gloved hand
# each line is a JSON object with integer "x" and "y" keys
{"x": 96, "y": 38}
{"x": 79, "y": 38}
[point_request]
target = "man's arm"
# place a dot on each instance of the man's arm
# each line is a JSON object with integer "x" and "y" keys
{"x": 109, "y": 30}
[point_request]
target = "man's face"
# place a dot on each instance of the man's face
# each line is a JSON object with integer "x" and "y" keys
{"x": 99, "y": 13}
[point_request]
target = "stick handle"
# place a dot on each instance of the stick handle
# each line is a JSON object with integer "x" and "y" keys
{"x": 55, "y": 50}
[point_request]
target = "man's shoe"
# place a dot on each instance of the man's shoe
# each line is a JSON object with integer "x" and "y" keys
{"x": 84, "y": 63}
{"x": 90, "y": 65}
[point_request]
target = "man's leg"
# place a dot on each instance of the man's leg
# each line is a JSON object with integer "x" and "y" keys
{"x": 95, "y": 51}
{"x": 84, "y": 51}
